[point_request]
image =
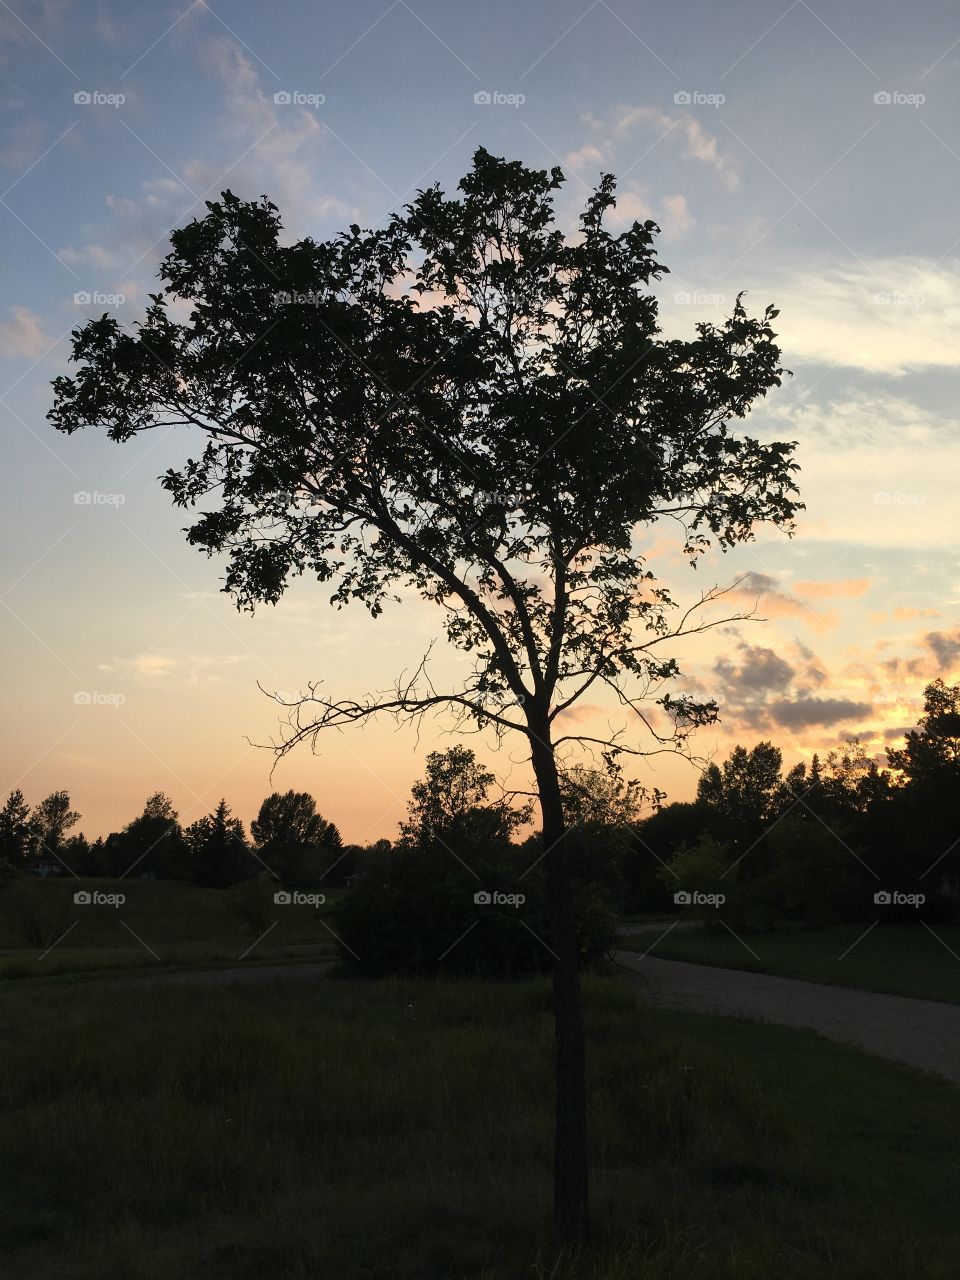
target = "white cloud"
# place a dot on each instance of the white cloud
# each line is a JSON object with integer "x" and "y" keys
{"x": 23, "y": 335}
{"x": 697, "y": 143}
{"x": 876, "y": 470}
{"x": 883, "y": 315}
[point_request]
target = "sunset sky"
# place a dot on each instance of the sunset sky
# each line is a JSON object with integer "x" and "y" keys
{"x": 807, "y": 154}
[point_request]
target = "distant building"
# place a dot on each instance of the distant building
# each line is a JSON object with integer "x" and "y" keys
{"x": 45, "y": 865}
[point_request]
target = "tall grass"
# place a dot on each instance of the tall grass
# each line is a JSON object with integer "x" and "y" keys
{"x": 299, "y": 1129}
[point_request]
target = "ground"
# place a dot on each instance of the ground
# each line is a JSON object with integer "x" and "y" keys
{"x": 304, "y": 1126}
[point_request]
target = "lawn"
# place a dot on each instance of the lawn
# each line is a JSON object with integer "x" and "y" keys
{"x": 160, "y": 924}
{"x": 402, "y": 1130}
{"x": 907, "y": 960}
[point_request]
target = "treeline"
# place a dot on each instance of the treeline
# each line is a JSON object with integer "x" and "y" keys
{"x": 287, "y": 839}
{"x": 841, "y": 839}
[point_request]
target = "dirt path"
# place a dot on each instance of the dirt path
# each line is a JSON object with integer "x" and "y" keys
{"x": 920, "y": 1033}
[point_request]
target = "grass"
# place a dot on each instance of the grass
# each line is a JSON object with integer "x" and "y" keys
{"x": 907, "y": 960}
{"x": 371, "y": 1130}
{"x": 161, "y": 924}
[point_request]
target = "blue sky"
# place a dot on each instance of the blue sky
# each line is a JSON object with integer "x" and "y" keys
{"x": 808, "y": 155}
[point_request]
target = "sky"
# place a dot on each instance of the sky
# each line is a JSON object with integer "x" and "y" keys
{"x": 808, "y": 154}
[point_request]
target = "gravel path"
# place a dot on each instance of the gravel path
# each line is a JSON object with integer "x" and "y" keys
{"x": 920, "y": 1033}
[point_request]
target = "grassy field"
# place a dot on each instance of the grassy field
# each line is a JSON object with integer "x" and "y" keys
{"x": 300, "y": 1129}
{"x": 160, "y": 924}
{"x": 906, "y": 960}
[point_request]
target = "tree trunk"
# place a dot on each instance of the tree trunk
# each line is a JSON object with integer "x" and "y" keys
{"x": 570, "y": 1178}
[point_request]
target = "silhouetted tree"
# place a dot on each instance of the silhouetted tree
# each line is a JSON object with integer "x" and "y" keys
{"x": 467, "y": 403}
{"x": 49, "y": 823}
{"x": 295, "y": 842}
{"x": 218, "y": 848}
{"x": 154, "y": 843}
{"x": 927, "y": 771}
{"x": 15, "y": 831}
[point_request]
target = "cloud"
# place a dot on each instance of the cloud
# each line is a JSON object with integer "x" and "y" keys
{"x": 762, "y": 590}
{"x": 884, "y": 315}
{"x": 23, "y": 335}
{"x": 671, "y": 215}
{"x": 255, "y": 145}
{"x": 697, "y": 144}
{"x": 587, "y": 155}
{"x": 759, "y": 672}
{"x": 846, "y": 587}
{"x": 877, "y": 470}
{"x": 799, "y": 713}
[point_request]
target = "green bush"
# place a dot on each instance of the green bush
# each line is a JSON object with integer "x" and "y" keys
{"x": 418, "y": 913}
{"x": 252, "y": 903}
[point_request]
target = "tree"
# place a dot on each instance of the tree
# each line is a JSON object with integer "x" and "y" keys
{"x": 219, "y": 849}
{"x": 293, "y": 839}
{"x": 50, "y": 822}
{"x": 743, "y": 792}
{"x": 15, "y": 832}
{"x": 451, "y": 797}
{"x": 154, "y": 843}
{"x": 470, "y": 405}
{"x": 927, "y": 773}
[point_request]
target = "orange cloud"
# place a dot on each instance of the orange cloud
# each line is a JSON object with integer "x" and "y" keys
{"x": 845, "y": 587}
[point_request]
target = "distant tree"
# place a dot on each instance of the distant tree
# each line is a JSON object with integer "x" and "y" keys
{"x": 927, "y": 776}
{"x": 154, "y": 843}
{"x": 452, "y": 799}
{"x": 653, "y": 842}
{"x": 218, "y": 848}
{"x": 742, "y": 792}
{"x": 473, "y": 405}
{"x": 15, "y": 829}
{"x": 50, "y": 821}
{"x": 294, "y": 841}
